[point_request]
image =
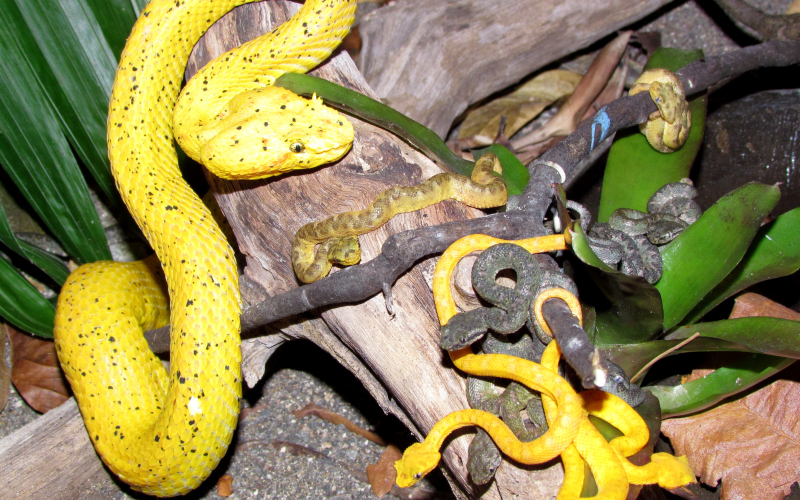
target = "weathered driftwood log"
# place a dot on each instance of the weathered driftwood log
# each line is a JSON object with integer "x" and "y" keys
{"x": 401, "y": 349}
{"x": 430, "y": 60}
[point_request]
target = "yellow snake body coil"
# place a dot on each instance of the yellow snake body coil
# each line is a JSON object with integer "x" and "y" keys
{"x": 164, "y": 433}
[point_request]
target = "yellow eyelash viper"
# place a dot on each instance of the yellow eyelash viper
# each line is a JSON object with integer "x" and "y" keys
{"x": 608, "y": 462}
{"x": 164, "y": 433}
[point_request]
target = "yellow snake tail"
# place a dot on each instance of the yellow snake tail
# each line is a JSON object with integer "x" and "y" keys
{"x": 162, "y": 433}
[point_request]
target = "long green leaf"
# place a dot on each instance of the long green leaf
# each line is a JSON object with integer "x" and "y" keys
{"x": 775, "y": 252}
{"x": 631, "y": 309}
{"x": 774, "y": 336}
{"x": 73, "y": 51}
{"x": 115, "y": 18}
{"x": 705, "y": 392}
{"x": 22, "y": 304}
{"x": 633, "y": 357}
{"x": 379, "y": 114}
{"x": 634, "y": 170}
{"x": 708, "y": 250}
{"x": 45, "y": 261}
{"x": 33, "y": 149}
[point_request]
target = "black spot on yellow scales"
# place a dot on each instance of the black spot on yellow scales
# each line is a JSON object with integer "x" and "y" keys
{"x": 216, "y": 105}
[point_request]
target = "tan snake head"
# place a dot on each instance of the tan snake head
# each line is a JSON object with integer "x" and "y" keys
{"x": 269, "y": 131}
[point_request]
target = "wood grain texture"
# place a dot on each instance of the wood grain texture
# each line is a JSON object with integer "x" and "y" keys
{"x": 430, "y": 60}
{"x": 400, "y": 350}
{"x": 51, "y": 457}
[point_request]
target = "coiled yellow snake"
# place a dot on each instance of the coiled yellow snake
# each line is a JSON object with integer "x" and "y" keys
{"x": 164, "y": 433}
{"x": 570, "y": 433}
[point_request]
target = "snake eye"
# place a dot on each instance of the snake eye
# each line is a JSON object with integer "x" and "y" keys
{"x": 297, "y": 147}
{"x": 418, "y": 475}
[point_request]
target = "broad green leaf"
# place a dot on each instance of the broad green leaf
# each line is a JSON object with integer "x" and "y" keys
{"x": 630, "y": 309}
{"x": 708, "y": 250}
{"x": 22, "y": 304}
{"x": 33, "y": 149}
{"x": 705, "y": 392}
{"x": 774, "y": 252}
{"x": 633, "y": 357}
{"x": 763, "y": 335}
{"x": 67, "y": 51}
{"x": 45, "y": 261}
{"x": 634, "y": 170}
{"x": 115, "y": 18}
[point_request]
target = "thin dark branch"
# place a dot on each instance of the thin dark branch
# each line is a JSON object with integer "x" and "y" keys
{"x": 629, "y": 111}
{"x": 525, "y": 212}
{"x": 357, "y": 283}
{"x": 766, "y": 26}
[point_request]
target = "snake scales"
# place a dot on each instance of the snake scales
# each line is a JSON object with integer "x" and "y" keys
{"x": 631, "y": 239}
{"x": 569, "y": 434}
{"x": 336, "y": 235}
{"x": 164, "y": 433}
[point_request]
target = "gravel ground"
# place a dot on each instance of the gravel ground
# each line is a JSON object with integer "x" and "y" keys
{"x": 264, "y": 466}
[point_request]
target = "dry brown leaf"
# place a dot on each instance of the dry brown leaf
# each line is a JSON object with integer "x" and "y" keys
{"x": 225, "y": 486}
{"x": 335, "y": 418}
{"x": 519, "y": 107}
{"x": 794, "y": 8}
{"x": 5, "y": 375}
{"x": 751, "y": 304}
{"x": 383, "y": 474}
{"x": 752, "y": 444}
{"x": 35, "y": 371}
{"x": 572, "y": 112}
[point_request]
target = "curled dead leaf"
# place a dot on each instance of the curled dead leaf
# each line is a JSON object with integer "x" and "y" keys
{"x": 519, "y": 107}
{"x": 35, "y": 371}
{"x": 382, "y": 475}
{"x": 752, "y": 444}
{"x": 591, "y": 85}
{"x": 225, "y": 486}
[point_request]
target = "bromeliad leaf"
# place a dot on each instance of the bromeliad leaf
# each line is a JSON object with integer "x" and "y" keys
{"x": 22, "y": 304}
{"x": 628, "y": 307}
{"x": 69, "y": 55}
{"x": 774, "y": 252}
{"x": 708, "y": 250}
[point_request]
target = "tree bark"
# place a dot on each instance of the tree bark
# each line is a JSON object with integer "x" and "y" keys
{"x": 431, "y": 60}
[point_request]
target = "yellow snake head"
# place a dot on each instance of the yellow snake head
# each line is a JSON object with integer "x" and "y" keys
{"x": 270, "y": 131}
{"x": 417, "y": 461}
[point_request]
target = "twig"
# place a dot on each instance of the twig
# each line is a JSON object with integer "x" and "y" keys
{"x": 335, "y": 418}
{"x": 662, "y": 356}
{"x": 766, "y": 27}
{"x": 413, "y": 493}
{"x": 576, "y": 347}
